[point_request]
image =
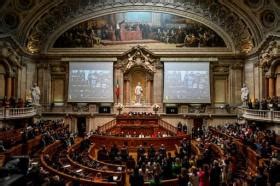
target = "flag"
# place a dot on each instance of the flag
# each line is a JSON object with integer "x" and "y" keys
{"x": 117, "y": 90}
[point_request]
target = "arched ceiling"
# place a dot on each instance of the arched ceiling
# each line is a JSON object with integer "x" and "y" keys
{"x": 34, "y": 24}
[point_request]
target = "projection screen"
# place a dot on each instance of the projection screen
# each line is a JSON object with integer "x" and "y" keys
{"x": 90, "y": 82}
{"x": 186, "y": 82}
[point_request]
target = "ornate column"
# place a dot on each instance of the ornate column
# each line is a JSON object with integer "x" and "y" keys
{"x": 263, "y": 83}
{"x": 277, "y": 85}
{"x": 119, "y": 77}
{"x": 44, "y": 82}
{"x": 271, "y": 86}
{"x": 266, "y": 88}
{"x": 148, "y": 92}
{"x": 235, "y": 82}
{"x": 9, "y": 84}
{"x": 127, "y": 90}
{"x": 149, "y": 89}
{"x": 158, "y": 86}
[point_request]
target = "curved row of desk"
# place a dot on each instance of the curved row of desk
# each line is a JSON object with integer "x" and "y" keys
{"x": 58, "y": 160}
{"x": 55, "y": 159}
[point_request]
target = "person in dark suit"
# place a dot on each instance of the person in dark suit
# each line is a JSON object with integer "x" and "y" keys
{"x": 215, "y": 174}
{"x": 260, "y": 178}
{"x": 136, "y": 179}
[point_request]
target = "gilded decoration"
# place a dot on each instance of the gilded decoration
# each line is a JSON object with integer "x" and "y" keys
{"x": 269, "y": 53}
{"x": 216, "y": 19}
{"x": 27, "y": 20}
{"x": 138, "y": 56}
{"x": 7, "y": 52}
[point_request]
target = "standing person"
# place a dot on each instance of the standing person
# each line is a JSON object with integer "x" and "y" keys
{"x": 136, "y": 179}
{"x": 194, "y": 179}
{"x": 203, "y": 175}
{"x": 215, "y": 174}
{"x": 260, "y": 179}
{"x": 118, "y": 31}
{"x": 183, "y": 178}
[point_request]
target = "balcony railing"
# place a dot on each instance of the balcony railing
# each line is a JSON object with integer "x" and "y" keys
{"x": 107, "y": 126}
{"x": 262, "y": 115}
{"x": 276, "y": 116}
{"x": 11, "y": 113}
{"x": 168, "y": 126}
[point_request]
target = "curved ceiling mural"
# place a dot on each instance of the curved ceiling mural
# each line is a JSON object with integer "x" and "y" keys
{"x": 153, "y": 28}
{"x": 36, "y": 24}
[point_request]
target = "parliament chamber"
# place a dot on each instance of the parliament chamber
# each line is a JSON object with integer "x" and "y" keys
{"x": 140, "y": 92}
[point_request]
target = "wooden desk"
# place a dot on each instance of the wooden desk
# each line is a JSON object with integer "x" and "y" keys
{"x": 134, "y": 143}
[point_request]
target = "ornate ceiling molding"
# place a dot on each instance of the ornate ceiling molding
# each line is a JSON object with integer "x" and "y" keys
{"x": 246, "y": 15}
{"x": 270, "y": 53}
{"x": 230, "y": 26}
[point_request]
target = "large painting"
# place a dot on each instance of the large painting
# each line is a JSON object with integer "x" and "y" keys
{"x": 153, "y": 28}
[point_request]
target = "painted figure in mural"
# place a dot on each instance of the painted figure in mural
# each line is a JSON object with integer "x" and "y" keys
{"x": 118, "y": 31}
{"x": 138, "y": 93}
{"x": 244, "y": 94}
{"x": 35, "y": 93}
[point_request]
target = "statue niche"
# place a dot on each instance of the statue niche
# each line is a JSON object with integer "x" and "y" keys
{"x": 138, "y": 66}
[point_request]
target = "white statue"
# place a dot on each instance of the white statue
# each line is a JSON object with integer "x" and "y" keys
{"x": 244, "y": 94}
{"x": 138, "y": 93}
{"x": 35, "y": 93}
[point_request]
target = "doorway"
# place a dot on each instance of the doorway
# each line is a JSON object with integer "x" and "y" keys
{"x": 197, "y": 127}
{"x": 81, "y": 126}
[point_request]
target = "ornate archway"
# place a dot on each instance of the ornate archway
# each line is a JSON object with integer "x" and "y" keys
{"x": 270, "y": 62}
{"x": 236, "y": 34}
{"x": 138, "y": 65}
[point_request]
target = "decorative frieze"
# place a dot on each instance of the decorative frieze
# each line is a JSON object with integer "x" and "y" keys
{"x": 271, "y": 52}
{"x": 138, "y": 57}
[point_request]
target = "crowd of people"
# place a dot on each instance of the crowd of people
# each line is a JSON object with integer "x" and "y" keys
{"x": 12, "y": 102}
{"x": 259, "y": 140}
{"x": 265, "y": 103}
{"x": 155, "y": 165}
{"x": 50, "y": 131}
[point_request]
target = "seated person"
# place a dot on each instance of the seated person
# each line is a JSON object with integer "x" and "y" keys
{"x": 151, "y": 152}
{"x": 124, "y": 153}
{"x": 114, "y": 151}
{"x": 162, "y": 151}
{"x": 179, "y": 126}
{"x": 141, "y": 135}
{"x": 140, "y": 152}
